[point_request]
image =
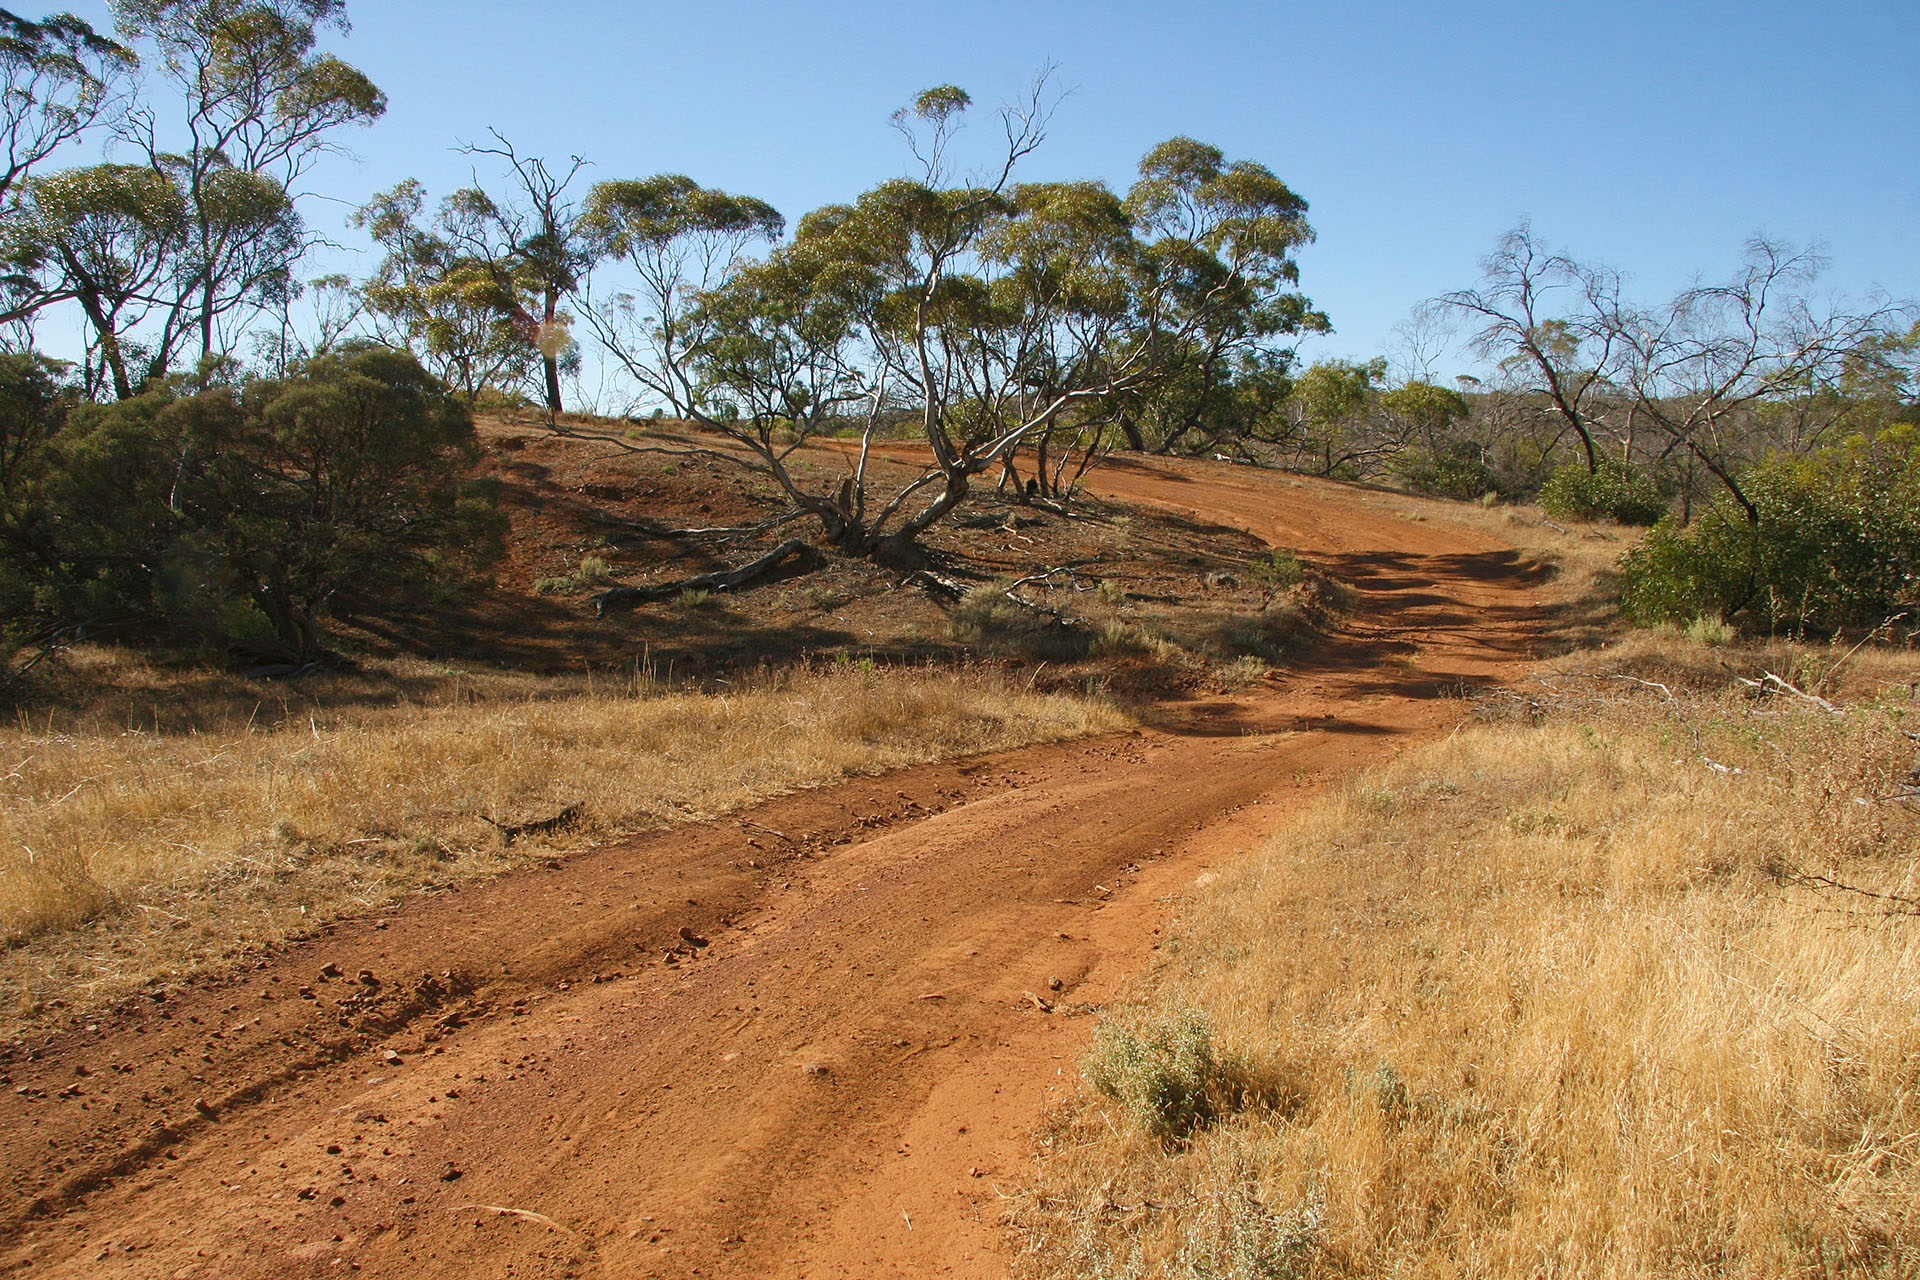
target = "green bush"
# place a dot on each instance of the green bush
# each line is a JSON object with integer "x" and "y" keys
{"x": 1612, "y": 492}
{"x": 1276, "y": 570}
{"x": 237, "y": 518}
{"x": 1457, "y": 470}
{"x": 1164, "y": 1070}
{"x": 1835, "y": 547}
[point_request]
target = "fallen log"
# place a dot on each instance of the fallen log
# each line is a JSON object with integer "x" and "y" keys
{"x": 718, "y": 580}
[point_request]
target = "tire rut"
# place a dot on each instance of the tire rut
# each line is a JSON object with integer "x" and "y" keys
{"x": 802, "y": 1039}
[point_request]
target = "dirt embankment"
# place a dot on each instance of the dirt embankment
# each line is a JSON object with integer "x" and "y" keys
{"x": 803, "y": 1040}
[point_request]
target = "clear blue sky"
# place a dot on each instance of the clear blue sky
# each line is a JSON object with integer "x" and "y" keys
{"x": 1655, "y": 137}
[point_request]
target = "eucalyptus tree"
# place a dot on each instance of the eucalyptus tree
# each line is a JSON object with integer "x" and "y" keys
{"x": 1552, "y": 325}
{"x": 1320, "y": 427}
{"x": 58, "y": 78}
{"x": 259, "y": 104}
{"x": 988, "y": 312}
{"x": 548, "y": 251}
{"x": 107, "y": 236}
{"x": 1704, "y": 370}
{"x": 1714, "y": 378}
{"x": 444, "y": 288}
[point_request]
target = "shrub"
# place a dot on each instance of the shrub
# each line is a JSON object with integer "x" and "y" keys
{"x": 1835, "y": 545}
{"x": 239, "y": 517}
{"x": 1612, "y": 492}
{"x": 593, "y": 573}
{"x": 1713, "y": 632}
{"x": 1457, "y": 470}
{"x": 1164, "y": 1070}
{"x": 1276, "y": 570}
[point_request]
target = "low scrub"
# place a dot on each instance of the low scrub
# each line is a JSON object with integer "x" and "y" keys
{"x": 1457, "y": 470}
{"x": 128, "y": 849}
{"x": 1164, "y": 1071}
{"x": 235, "y": 521}
{"x": 1615, "y": 982}
{"x": 1833, "y": 545}
{"x": 1610, "y": 491}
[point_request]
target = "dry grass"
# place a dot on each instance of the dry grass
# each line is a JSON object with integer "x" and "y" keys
{"x": 136, "y": 838}
{"x": 1573, "y": 993}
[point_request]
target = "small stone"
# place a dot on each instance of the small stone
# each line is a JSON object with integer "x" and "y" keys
{"x": 689, "y": 936}
{"x": 1054, "y": 984}
{"x": 452, "y": 1172}
{"x": 367, "y": 979}
{"x": 200, "y": 1105}
{"x": 389, "y": 1057}
{"x": 817, "y": 1069}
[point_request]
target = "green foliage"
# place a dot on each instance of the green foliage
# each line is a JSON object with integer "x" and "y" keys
{"x": 1610, "y": 492}
{"x": 237, "y": 518}
{"x": 1834, "y": 546}
{"x": 1164, "y": 1070}
{"x": 56, "y": 77}
{"x": 446, "y": 291}
{"x": 1276, "y": 570}
{"x": 1712, "y": 632}
{"x": 593, "y": 573}
{"x": 1455, "y": 470}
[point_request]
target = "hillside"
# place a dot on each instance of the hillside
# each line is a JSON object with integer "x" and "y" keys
{"x": 872, "y": 968}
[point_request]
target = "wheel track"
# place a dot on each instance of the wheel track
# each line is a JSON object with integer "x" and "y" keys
{"x": 838, "y": 1084}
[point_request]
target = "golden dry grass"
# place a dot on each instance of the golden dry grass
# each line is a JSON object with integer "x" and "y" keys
{"x": 1573, "y": 993}
{"x": 128, "y": 849}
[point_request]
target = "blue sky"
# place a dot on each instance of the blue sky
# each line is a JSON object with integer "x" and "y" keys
{"x": 1654, "y": 137}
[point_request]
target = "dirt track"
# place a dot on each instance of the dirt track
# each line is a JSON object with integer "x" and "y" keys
{"x": 885, "y": 981}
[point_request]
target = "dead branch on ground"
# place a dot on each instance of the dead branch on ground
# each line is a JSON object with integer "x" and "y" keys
{"x": 718, "y": 580}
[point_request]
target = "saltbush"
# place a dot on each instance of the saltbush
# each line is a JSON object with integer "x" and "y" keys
{"x": 1164, "y": 1070}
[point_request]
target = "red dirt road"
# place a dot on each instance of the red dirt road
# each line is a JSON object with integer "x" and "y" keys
{"x": 875, "y": 988}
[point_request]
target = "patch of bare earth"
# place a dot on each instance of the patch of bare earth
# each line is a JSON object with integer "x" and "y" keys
{"x": 807, "y": 1039}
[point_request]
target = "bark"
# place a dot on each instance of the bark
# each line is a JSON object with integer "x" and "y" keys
{"x": 718, "y": 580}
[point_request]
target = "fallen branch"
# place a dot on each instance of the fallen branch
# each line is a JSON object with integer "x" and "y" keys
{"x": 718, "y": 580}
{"x": 1769, "y": 682}
{"x": 1067, "y": 569}
{"x": 737, "y": 530}
{"x": 1650, "y": 684}
{"x": 1901, "y": 904}
{"x": 937, "y": 584}
{"x": 539, "y": 827}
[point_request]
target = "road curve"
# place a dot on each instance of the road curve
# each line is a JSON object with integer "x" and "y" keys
{"x": 805, "y": 1040}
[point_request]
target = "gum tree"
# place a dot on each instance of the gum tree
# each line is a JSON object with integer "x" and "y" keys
{"x": 260, "y": 103}
{"x": 989, "y": 313}
{"x": 58, "y": 78}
